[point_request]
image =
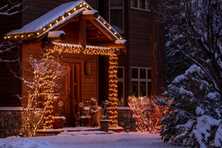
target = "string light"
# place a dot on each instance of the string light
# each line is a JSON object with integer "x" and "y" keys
{"x": 146, "y": 113}
{"x": 112, "y": 53}
{"x": 78, "y": 49}
{"x": 82, "y": 6}
{"x": 47, "y": 72}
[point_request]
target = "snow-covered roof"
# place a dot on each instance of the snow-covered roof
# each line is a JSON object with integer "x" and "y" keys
{"x": 47, "y": 18}
{"x": 56, "y": 17}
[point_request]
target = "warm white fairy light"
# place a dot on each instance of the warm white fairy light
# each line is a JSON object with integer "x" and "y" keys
{"x": 47, "y": 72}
{"x": 146, "y": 113}
{"x": 112, "y": 53}
{"x": 55, "y": 22}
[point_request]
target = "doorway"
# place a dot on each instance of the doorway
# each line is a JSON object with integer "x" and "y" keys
{"x": 73, "y": 109}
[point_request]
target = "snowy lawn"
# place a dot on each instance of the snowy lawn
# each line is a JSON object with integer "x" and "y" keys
{"x": 83, "y": 140}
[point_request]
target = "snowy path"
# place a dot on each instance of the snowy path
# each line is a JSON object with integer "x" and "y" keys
{"x": 121, "y": 140}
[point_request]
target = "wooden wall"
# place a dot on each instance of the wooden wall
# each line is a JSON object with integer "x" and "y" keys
{"x": 88, "y": 69}
{"x": 144, "y": 33}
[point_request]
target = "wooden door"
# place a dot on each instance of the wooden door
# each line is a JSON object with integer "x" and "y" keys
{"x": 72, "y": 104}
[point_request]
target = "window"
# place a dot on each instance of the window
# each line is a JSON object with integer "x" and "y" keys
{"x": 121, "y": 85}
{"x": 140, "y": 4}
{"x": 116, "y": 9}
{"x": 140, "y": 81}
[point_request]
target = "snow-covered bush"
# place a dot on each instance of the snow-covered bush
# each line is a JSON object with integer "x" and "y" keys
{"x": 195, "y": 115}
{"x": 147, "y": 112}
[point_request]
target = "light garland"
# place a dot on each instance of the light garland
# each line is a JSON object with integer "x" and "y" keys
{"x": 41, "y": 92}
{"x": 113, "y": 91}
{"x": 67, "y": 48}
{"x": 68, "y": 14}
{"x": 146, "y": 113}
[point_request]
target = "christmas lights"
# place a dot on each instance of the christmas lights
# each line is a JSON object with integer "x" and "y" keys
{"x": 82, "y": 6}
{"x": 41, "y": 92}
{"x": 147, "y": 113}
{"x": 112, "y": 53}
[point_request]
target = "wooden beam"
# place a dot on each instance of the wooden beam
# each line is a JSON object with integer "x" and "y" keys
{"x": 89, "y": 17}
{"x": 82, "y": 32}
{"x": 112, "y": 45}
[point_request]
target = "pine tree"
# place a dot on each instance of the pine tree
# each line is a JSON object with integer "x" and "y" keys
{"x": 194, "y": 30}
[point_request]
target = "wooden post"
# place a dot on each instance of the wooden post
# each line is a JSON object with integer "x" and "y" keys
{"x": 113, "y": 91}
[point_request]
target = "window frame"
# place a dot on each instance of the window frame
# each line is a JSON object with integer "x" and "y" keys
{"x": 123, "y": 14}
{"x": 147, "y": 6}
{"x": 147, "y": 80}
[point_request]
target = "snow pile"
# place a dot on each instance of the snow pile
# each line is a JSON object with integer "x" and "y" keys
{"x": 24, "y": 143}
{"x": 117, "y": 140}
{"x": 196, "y": 111}
{"x": 89, "y": 12}
{"x": 56, "y": 34}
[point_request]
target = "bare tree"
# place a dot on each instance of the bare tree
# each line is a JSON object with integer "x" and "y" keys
{"x": 194, "y": 29}
{"x": 10, "y": 7}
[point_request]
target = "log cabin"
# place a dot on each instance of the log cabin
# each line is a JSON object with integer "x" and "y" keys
{"x": 129, "y": 30}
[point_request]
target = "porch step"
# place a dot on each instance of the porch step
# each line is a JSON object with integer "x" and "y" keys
{"x": 49, "y": 132}
{"x": 82, "y": 131}
{"x": 72, "y": 131}
{"x": 79, "y": 129}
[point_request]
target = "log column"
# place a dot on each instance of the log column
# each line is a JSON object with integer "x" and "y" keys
{"x": 113, "y": 91}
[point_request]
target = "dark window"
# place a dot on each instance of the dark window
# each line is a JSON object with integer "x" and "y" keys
{"x": 140, "y": 4}
{"x": 149, "y": 88}
{"x": 134, "y": 89}
{"x": 140, "y": 81}
{"x": 142, "y": 73}
{"x": 116, "y": 3}
{"x": 117, "y": 14}
{"x": 134, "y": 3}
{"x": 143, "y": 89}
{"x": 134, "y": 73}
{"x": 121, "y": 86}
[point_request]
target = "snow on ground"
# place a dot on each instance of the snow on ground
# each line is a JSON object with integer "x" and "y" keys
{"x": 92, "y": 140}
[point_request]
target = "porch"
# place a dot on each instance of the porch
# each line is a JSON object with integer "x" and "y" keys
{"x": 75, "y": 35}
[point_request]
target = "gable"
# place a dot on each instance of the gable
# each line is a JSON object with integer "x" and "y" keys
{"x": 59, "y": 16}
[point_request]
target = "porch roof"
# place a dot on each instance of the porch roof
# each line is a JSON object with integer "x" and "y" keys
{"x": 58, "y": 16}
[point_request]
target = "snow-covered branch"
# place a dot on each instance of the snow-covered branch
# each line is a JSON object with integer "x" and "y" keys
{"x": 194, "y": 30}
{"x": 3, "y": 7}
{"x": 205, "y": 69}
{"x": 11, "y": 8}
